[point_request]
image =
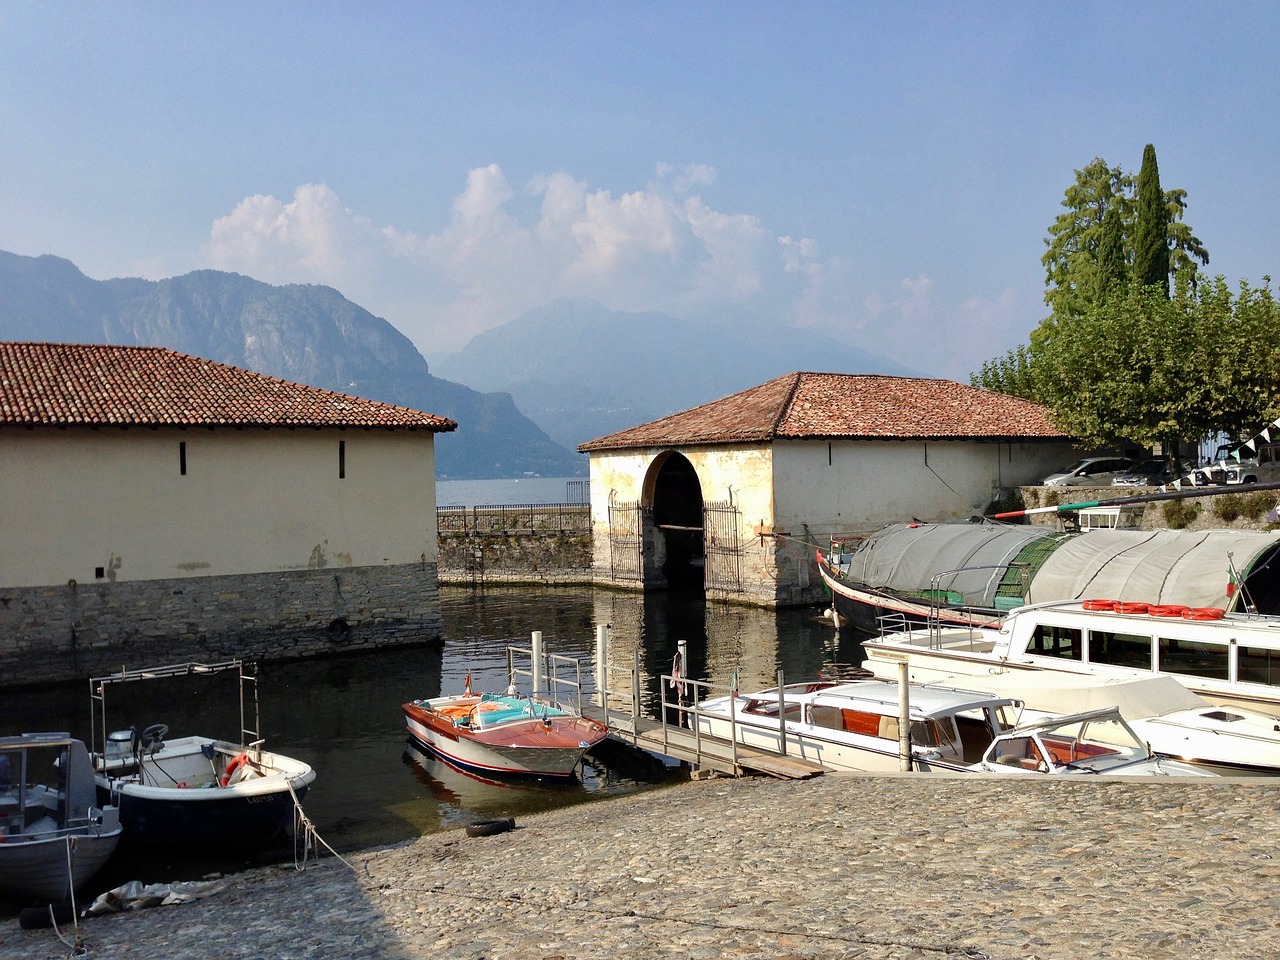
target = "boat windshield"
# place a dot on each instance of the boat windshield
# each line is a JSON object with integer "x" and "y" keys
{"x": 1092, "y": 742}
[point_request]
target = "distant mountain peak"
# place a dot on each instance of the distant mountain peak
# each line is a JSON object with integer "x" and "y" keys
{"x": 307, "y": 333}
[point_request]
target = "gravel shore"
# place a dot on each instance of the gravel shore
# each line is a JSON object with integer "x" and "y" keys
{"x": 841, "y": 866}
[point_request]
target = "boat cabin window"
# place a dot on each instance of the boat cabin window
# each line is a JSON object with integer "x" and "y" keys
{"x": 1120, "y": 649}
{"x": 831, "y": 718}
{"x": 1258, "y": 665}
{"x": 1051, "y": 640}
{"x": 1194, "y": 658}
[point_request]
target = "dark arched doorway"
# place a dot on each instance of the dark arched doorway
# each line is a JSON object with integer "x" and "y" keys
{"x": 676, "y": 495}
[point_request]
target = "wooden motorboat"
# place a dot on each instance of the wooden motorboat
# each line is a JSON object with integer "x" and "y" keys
{"x": 196, "y": 791}
{"x": 52, "y": 836}
{"x": 508, "y": 734}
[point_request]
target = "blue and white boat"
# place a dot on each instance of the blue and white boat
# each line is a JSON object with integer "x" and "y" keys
{"x": 53, "y": 838}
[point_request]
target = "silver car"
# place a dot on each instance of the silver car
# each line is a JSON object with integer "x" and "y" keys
{"x": 1089, "y": 472}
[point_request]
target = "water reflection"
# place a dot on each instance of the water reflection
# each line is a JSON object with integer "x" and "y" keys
{"x": 342, "y": 715}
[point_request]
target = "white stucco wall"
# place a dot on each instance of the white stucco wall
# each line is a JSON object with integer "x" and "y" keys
{"x": 252, "y": 501}
{"x": 855, "y": 486}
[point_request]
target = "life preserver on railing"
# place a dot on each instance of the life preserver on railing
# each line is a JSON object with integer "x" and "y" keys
{"x": 1135, "y": 606}
{"x": 1168, "y": 609}
{"x": 1099, "y": 604}
{"x": 240, "y": 760}
{"x": 1204, "y": 613}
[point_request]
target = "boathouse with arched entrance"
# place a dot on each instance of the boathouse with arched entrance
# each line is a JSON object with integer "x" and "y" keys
{"x": 733, "y": 497}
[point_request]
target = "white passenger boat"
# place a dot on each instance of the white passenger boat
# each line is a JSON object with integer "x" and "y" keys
{"x": 1096, "y": 742}
{"x": 854, "y": 725}
{"x": 52, "y": 836}
{"x": 1227, "y": 658}
{"x": 1165, "y": 715}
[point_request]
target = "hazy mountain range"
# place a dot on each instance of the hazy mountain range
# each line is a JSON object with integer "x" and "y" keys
{"x": 575, "y": 369}
{"x": 581, "y": 371}
{"x": 307, "y": 334}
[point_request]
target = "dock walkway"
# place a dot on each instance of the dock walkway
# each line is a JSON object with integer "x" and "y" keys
{"x": 702, "y": 750}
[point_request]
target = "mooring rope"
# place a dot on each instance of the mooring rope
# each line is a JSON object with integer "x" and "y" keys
{"x": 306, "y": 830}
{"x": 77, "y": 948}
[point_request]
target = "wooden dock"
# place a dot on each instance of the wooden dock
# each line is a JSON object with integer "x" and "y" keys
{"x": 703, "y": 751}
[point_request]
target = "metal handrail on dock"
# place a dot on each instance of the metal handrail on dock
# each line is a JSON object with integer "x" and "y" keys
{"x": 620, "y": 710}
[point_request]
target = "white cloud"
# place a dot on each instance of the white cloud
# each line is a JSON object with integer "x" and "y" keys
{"x": 661, "y": 247}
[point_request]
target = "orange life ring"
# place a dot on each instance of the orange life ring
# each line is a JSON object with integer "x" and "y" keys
{"x": 240, "y": 760}
{"x": 1132, "y": 607}
{"x": 1099, "y": 604}
{"x": 1168, "y": 610}
{"x": 1204, "y": 613}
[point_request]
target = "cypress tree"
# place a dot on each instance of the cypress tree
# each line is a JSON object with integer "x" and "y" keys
{"x": 1111, "y": 265}
{"x": 1151, "y": 237}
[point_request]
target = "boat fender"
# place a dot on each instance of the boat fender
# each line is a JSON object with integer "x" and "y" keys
{"x": 240, "y": 760}
{"x": 1099, "y": 604}
{"x": 489, "y": 828}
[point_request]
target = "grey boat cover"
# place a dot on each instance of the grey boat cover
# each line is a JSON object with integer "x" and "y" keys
{"x": 1158, "y": 566}
{"x": 966, "y": 558}
{"x": 1155, "y": 566}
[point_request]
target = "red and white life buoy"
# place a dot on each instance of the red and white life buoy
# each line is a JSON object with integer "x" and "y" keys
{"x": 1133, "y": 606}
{"x": 240, "y": 760}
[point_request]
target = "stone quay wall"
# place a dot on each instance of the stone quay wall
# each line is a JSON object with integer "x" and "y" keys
{"x": 72, "y": 631}
{"x": 543, "y": 543}
{"x": 1221, "y": 508}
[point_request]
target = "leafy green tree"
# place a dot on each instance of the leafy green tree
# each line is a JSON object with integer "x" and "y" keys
{"x": 1146, "y": 368}
{"x": 1071, "y": 262}
{"x": 1151, "y": 234}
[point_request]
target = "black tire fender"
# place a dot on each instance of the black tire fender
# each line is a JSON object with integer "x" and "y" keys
{"x": 489, "y": 828}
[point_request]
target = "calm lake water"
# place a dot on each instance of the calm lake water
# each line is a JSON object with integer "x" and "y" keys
{"x": 469, "y": 493}
{"x": 343, "y": 716}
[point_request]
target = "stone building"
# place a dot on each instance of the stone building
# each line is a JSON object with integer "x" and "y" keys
{"x": 157, "y": 507}
{"x": 734, "y": 496}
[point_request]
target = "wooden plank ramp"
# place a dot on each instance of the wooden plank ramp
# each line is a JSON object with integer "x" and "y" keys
{"x": 706, "y": 752}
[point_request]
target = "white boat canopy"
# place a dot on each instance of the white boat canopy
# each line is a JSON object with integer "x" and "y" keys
{"x": 1163, "y": 566}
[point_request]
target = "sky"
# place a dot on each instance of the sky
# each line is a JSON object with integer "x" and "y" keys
{"x": 882, "y": 173}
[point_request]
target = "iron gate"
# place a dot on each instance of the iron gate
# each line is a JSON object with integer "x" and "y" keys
{"x": 626, "y": 540}
{"x": 722, "y": 545}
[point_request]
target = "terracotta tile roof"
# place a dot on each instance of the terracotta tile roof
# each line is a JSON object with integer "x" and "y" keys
{"x": 77, "y": 385}
{"x": 835, "y": 405}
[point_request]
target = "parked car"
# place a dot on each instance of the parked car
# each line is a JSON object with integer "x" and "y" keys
{"x": 1089, "y": 472}
{"x": 1152, "y": 473}
{"x": 1262, "y": 467}
{"x": 1213, "y": 471}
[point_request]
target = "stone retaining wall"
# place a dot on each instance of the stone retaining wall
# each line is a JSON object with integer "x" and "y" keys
{"x": 515, "y": 556}
{"x": 72, "y": 631}
{"x": 1232, "y": 508}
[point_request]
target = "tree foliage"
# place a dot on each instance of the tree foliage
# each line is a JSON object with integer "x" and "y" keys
{"x": 1121, "y": 360}
{"x": 1145, "y": 368}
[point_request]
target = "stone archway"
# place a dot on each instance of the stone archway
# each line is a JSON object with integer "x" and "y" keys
{"x": 675, "y": 493}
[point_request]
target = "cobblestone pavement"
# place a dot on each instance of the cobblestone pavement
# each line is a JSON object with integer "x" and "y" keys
{"x": 842, "y": 866}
